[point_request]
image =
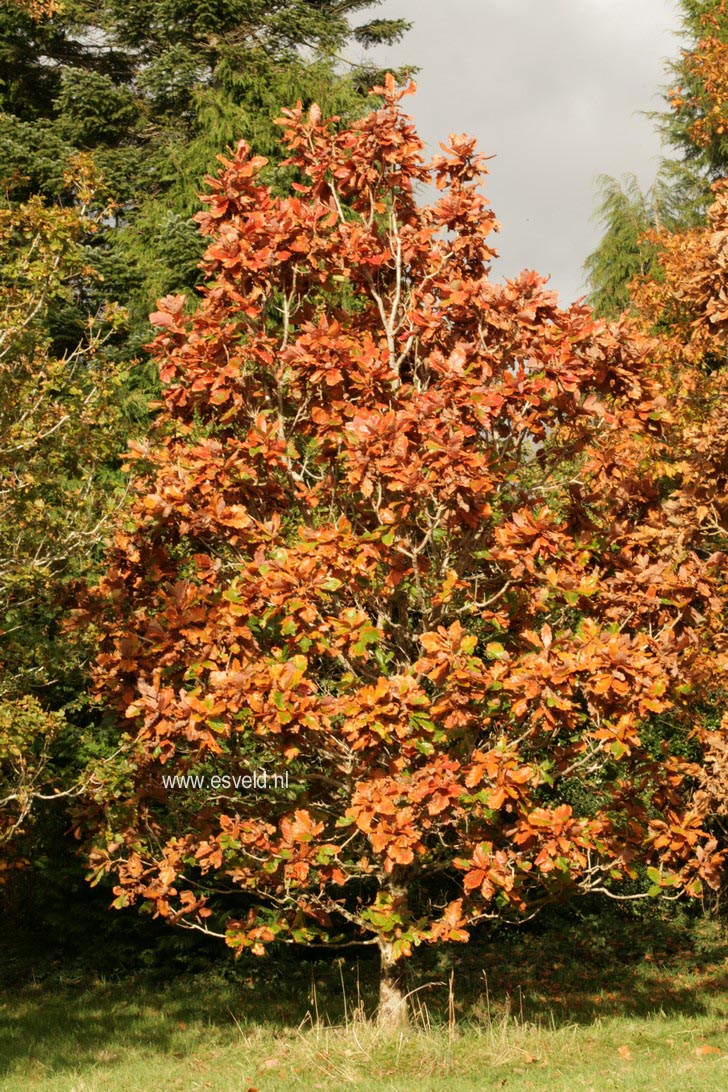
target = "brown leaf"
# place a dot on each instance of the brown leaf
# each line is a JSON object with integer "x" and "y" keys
{"x": 269, "y": 1063}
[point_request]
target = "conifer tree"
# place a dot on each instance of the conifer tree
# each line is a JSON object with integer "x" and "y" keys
{"x": 154, "y": 92}
{"x": 696, "y": 121}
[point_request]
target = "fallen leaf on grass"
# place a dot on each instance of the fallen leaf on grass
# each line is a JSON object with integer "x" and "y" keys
{"x": 705, "y": 1048}
{"x": 624, "y": 1052}
{"x": 269, "y": 1063}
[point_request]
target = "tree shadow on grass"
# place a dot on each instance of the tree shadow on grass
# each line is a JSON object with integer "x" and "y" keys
{"x": 61, "y": 1027}
{"x": 575, "y": 971}
{"x": 564, "y": 972}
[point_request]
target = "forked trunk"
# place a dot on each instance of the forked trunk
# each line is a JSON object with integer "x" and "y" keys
{"x": 392, "y": 1012}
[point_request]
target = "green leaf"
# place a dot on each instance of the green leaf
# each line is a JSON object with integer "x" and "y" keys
{"x": 494, "y": 650}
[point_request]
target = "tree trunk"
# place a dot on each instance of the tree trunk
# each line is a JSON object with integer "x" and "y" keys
{"x": 392, "y": 1013}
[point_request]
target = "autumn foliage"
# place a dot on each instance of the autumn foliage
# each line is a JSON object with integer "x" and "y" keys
{"x": 37, "y": 9}
{"x": 700, "y": 102}
{"x": 686, "y": 302}
{"x": 408, "y": 536}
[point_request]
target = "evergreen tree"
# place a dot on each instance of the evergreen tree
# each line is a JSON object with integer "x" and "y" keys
{"x": 626, "y": 215}
{"x": 154, "y": 92}
{"x": 62, "y": 423}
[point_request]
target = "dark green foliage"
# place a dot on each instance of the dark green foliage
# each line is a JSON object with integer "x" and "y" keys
{"x": 155, "y": 91}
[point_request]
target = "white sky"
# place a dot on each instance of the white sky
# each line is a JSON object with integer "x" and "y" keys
{"x": 555, "y": 88}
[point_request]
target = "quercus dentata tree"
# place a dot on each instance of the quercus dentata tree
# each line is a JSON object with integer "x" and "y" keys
{"x": 686, "y": 300}
{"x": 665, "y": 258}
{"x": 400, "y": 534}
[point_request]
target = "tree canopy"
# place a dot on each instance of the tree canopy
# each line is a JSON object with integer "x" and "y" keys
{"x": 402, "y": 535}
{"x": 62, "y": 424}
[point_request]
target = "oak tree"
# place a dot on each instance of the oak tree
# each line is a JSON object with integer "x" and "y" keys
{"x": 399, "y": 552}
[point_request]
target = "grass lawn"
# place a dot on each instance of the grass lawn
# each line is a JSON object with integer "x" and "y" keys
{"x": 632, "y": 1010}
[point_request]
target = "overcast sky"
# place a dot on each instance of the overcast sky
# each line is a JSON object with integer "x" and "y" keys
{"x": 555, "y": 88}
